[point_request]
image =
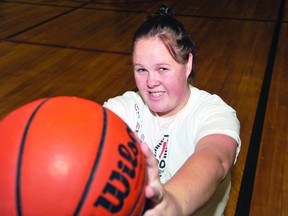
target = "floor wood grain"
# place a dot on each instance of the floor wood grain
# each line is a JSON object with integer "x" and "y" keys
{"x": 82, "y": 48}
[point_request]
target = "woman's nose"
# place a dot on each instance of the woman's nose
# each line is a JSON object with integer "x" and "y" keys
{"x": 153, "y": 80}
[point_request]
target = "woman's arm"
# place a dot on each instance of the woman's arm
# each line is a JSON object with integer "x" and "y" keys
{"x": 195, "y": 182}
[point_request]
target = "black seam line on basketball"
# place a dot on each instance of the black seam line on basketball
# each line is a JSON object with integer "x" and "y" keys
{"x": 248, "y": 178}
{"x": 20, "y": 158}
{"x": 45, "y": 21}
{"x": 95, "y": 166}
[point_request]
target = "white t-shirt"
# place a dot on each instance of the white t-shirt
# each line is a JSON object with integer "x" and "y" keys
{"x": 173, "y": 139}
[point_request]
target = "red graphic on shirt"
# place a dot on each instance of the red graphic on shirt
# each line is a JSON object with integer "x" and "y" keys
{"x": 137, "y": 127}
{"x": 161, "y": 154}
{"x": 163, "y": 149}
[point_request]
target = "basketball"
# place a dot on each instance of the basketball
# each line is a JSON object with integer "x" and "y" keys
{"x": 69, "y": 156}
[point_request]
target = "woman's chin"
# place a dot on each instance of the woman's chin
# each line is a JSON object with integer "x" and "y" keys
{"x": 159, "y": 111}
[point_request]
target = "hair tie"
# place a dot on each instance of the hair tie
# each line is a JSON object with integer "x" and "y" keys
{"x": 165, "y": 10}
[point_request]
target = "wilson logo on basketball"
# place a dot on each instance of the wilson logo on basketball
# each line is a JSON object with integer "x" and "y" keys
{"x": 117, "y": 188}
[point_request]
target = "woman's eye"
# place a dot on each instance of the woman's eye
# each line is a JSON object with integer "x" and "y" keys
{"x": 163, "y": 69}
{"x": 140, "y": 70}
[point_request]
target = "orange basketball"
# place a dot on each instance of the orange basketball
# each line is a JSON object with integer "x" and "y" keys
{"x": 69, "y": 156}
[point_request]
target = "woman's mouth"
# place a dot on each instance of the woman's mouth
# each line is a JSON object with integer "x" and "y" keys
{"x": 156, "y": 94}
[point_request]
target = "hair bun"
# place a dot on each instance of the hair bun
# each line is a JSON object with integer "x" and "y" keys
{"x": 165, "y": 10}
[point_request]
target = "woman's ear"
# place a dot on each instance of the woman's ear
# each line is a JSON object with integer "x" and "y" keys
{"x": 189, "y": 65}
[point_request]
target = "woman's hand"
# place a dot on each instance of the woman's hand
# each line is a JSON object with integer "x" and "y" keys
{"x": 160, "y": 201}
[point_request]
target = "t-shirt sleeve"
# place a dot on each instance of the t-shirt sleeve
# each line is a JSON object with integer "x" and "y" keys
{"x": 123, "y": 106}
{"x": 216, "y": 117}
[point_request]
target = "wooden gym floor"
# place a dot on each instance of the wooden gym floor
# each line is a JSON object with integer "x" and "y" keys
{"x": 82, "y": 48}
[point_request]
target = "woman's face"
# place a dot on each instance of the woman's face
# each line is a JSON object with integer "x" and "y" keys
{"x": 161, "y": 80}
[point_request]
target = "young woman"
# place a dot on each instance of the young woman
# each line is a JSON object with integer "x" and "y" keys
{"x": 190, "y": 138}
